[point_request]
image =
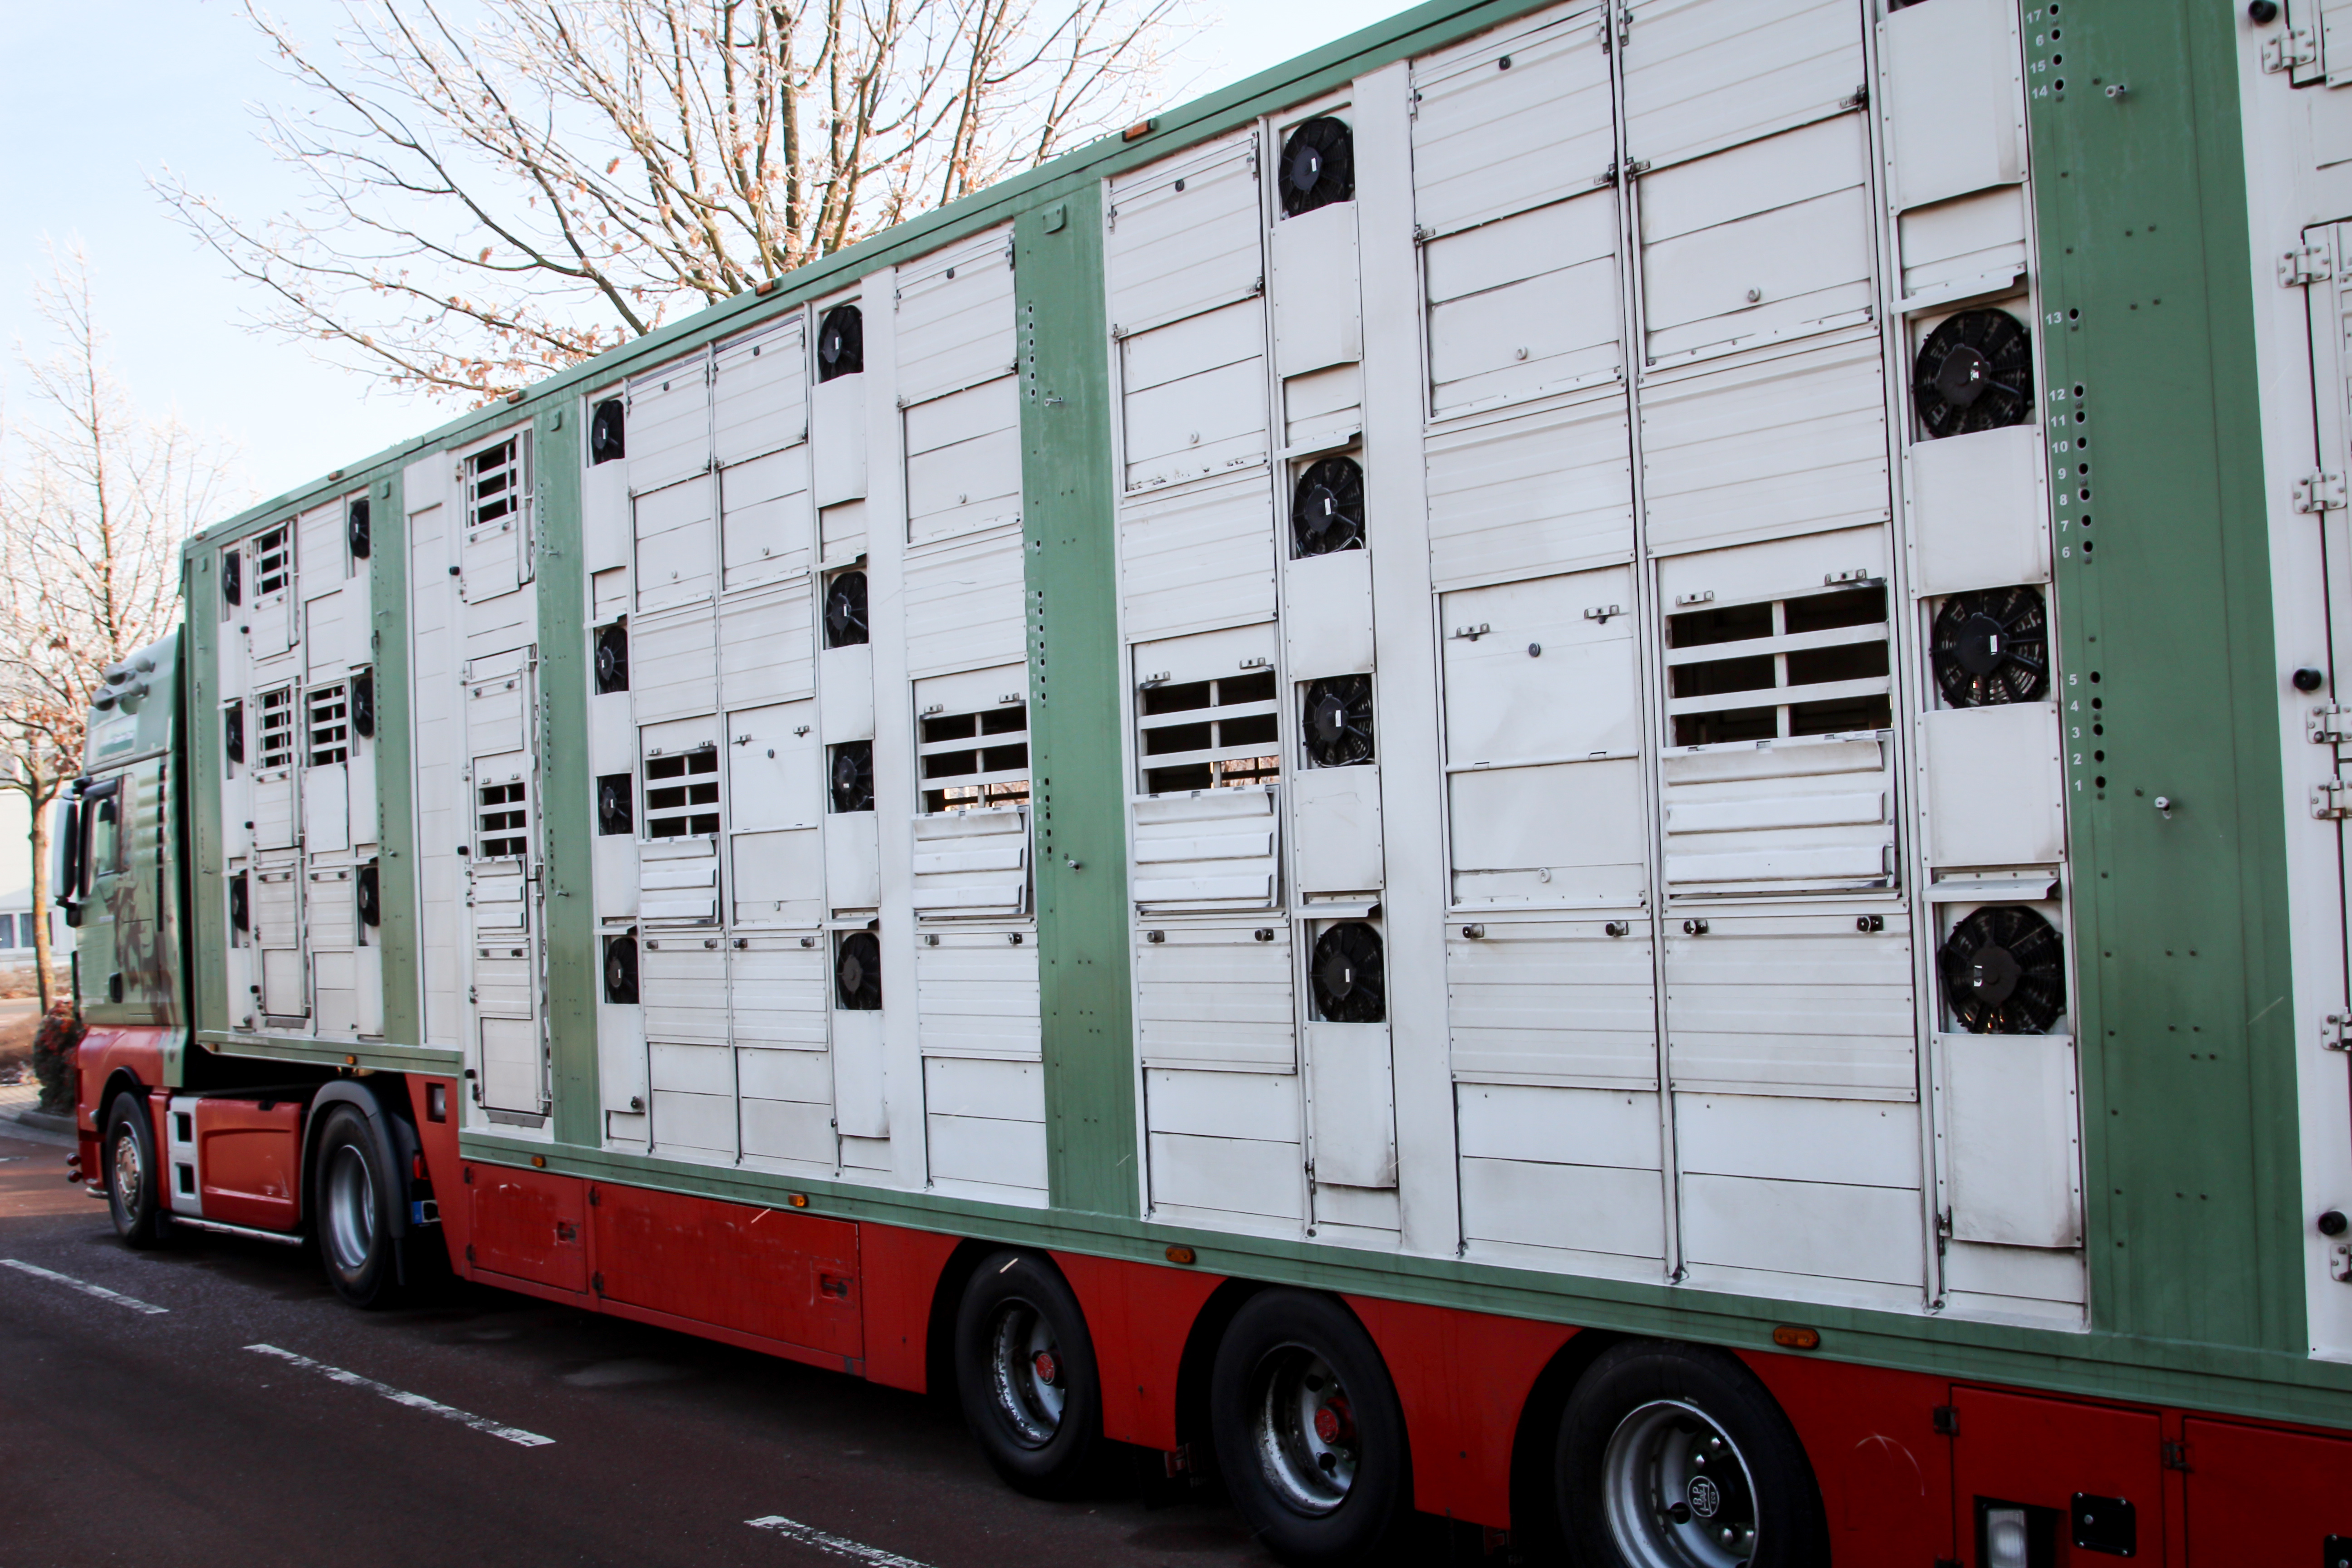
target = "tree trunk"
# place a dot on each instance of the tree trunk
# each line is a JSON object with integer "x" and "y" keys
{"x": 41, "y": 796}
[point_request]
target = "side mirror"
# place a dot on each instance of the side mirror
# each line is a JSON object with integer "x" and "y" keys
{"x": 65, "y": 885}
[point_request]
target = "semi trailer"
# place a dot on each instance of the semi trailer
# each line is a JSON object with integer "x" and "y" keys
{"x": 1418, "y": 786}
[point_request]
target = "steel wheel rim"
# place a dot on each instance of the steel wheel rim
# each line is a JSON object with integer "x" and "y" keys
{"x": 130, "y": 1176}
{"x": 350, "y": 1208}
{"x": 1677, "y": 1490}
{"x": 1026, "y": 1370}
{"x": 1303, "y": 1425}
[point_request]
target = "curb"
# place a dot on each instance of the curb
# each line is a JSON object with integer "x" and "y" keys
{"x": 44, "y": 1121}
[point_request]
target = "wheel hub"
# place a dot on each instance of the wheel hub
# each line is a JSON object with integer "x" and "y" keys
{"x": 1676, "y": 1491}
{"x": 1304, "y": 1429}
{"x": 1025, "y": 1371}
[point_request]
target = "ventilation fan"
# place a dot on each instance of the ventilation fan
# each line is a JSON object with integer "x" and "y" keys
{"x": 857, "y": 974}
{"x": 840, "y": 343}
{"x": 355, "y": 528}
{"x": 844, "y": 610}
{"x": 1326, "y": 512}
{"x": 1350, "y": 985}
{"x": 853, "y": 776}
{"x": 240, "y": 918}
{"x": 233, "y": 575}
{"x": 2004, "y": 972}
{"x": 616, "y": 804}
{"x": 1338, "y": 717}
{"x": 1992, "y": 646}
{"x": 1975, "y": 372}
{"x": 233, "y": 731}
{"x": 621, "y": 970}
{"x": 605, "y": 437}
{"x": 363, "y": 703}
{"x": 612, "y": 658}
{"x": 1318, "y": 166}
{"x": 371, "y": 896}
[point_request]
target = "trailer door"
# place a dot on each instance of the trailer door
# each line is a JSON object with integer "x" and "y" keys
{"x": 2315, "y": 604}
{"x": 502, "y": 881}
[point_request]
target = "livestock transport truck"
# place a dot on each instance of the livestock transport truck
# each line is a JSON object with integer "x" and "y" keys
{"x": 1442, "y": 784}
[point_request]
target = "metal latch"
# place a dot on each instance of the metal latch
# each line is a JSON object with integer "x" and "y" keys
{"x": 2300, "y": 269}
{"x": 2331, "y": 801}
{"x": 2322, "y": 491}
{"x": 2295, "y": 47}
{"x": 2325, "y": 725}
{"x": 2335, "y": 1031}
{"x": 2340, "y": 1262}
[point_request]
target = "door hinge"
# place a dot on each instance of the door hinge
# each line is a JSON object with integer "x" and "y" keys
{"x": 594, "y": 1201}
{"x": 2321, "y": 491}
{"x": 2331, "y": 801}
{"x": 597, "y": 1281}
{"x": 2325, "y": 725}
{"x": 2295, "y": 47}
{"x": 2176, "y": 1456}
{"x": 2300, "y": 269}
{"x": 1947, "y": 1420}
{"x": 469, "y": 1252}
{"x": 2335, "y": 1031}
{"x": 2339, "y": 1263}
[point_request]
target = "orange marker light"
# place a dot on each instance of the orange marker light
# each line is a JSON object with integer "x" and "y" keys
{"x": 1138, "y": 130}
{"x": 1180, "y": 1255}
{"x": 1790, "y": 1337}
{"x": 798, "y": 1200}
{"x": 539, "y": 1162}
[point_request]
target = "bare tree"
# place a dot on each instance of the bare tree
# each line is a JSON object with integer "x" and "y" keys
{"x": 488, "y": 203}
{"x": 94, "y": 502}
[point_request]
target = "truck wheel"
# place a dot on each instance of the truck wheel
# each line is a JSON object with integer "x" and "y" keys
{"x": 134, "y": 1179}
{"x": 1026, "y": 1372}
{"x": 1674, "y": 1455}
{"x": 1308, "y": 1433}
{"x": 353, "y": 1222}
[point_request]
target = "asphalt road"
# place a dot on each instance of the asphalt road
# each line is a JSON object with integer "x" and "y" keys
{"x": 524, "y": 1433}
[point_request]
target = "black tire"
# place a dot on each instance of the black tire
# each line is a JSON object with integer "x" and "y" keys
{"x": 350, "y": 1207}
{"x": 129, "y": 1156}
{"x": 1025, "y": 1368}
{"x": 1665, "y": 1447}
{"x": 1309, "y": 1437}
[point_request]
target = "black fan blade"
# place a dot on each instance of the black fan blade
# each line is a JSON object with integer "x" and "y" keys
{"x": 2004, "y": 972}
{"x": 1319, "y": 165}
{"x": 612, "y": 658}
{"x": 1348, "y": 976}
{"x": 1991, "y": 646}
{"x": 1974, "y": 373}
{"x": 1338, "y": 719}
{"x": 621, "y": 970}
{"x": 857, "y": 972}
{"x": 853, "y": 776}
{"x": 361, "y": 536}
{"x": 844, "y": 610}
{"x": 840, "y": 343}
{"x": 1327, "y": 511}
{"x": 607, "y": 440}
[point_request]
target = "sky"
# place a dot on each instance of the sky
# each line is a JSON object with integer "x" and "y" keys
{"x": 176, "y": 84}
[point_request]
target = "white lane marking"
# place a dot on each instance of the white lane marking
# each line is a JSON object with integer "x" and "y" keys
{"x": 401, "y": 1396}
{"x": 831, "y": 1544}
{"x": 84, "y": 1285}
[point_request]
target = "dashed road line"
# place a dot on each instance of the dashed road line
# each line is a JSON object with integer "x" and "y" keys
{"x": 84, "y": 1285}
{"x": 401, "y": 1397}
{"x": 831, "y": 1544}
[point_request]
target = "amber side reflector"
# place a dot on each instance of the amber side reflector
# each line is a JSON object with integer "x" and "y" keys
{"x": 1138, "y": 130}
{"x": 798, "y": 1200}
{"x": 767, "y": 288}
{"x": 1790, "y": 1338}
{"x": 539, "y": 1163}
{"x": 1180, "y": 1255}
{"x": 351, "y": 1061}
{"x": 515, "y": 396}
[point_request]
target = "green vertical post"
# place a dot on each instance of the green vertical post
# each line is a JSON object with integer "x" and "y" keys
{"x": 395, "y": 760}
{"x": 566, "y": 790}
{"x": 1078, "y": 776}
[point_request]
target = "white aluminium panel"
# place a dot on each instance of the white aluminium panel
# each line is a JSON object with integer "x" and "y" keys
{"x": 985, "y": 1121}
{"x": 2013, "y": 1141}
{"x": 678, "y": 883}
{"x": 1969, "y": 245}
{"x": 776, "y": 877}
{"x": 1954, "y": 102}
{"x": 1793, "y": 1004}
{"x": 853, "y": 864}
{"x": 964, "y": 603}
{"x": 838, "y": 436}
{"x": 1192, "y": 396}
{"x": 1318, "y": 309}
{"x": 1813, "y": 812}
{"x": 1565, "y": 834}
{"x": 963, "y": 459}
{"x": 782, "y": 989}
{"x": 674, "y": 664}
{"x": 1996, "y": 786}
{"x": 1541, "y": 92}
{"x": 1542, "y": 670}
{"x": 1571, "y": 1169}
{"x": 955, "y": 317}
{"x": 1351, "y": 1104}
{"x": 682, "y": 981}
{"x": 1540, "y": 493}
{"x": 766, "y": 526}
{"x": 1701, "y": 75}
{"x": 1205, "y": 851}
{"x": 1793, "y": 444}
{"x": 1183, "y": 236}
{"x": 677, "y": 550}
{"x": 775, "y": 767}
{"x": 1822, "y": 1229}
{"x": 976, "y": 994}
{"x": 766, "y": 644}
{"x": 1200, "y": 558}
{"x": 669, "y": 431}
{"x": 1559, "y": 1001}
{"x": 1976, "y": 517}
{"x": 759, "y": 393}
{"x": 1525, "y": 305}
{"x": 322, "y": 558}
{"x": 1336, "y": 819}
{"x": 1759, "y": 242}
{"x": 1216, "y": 998}
{"x": 844, "y": 677}
{"x": 968, "y": 863}
{"x": 861, "y": 1105}
{"x": 1327, "y": 624}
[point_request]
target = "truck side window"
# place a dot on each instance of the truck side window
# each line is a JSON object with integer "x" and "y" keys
{"x": 103, "y": 854}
